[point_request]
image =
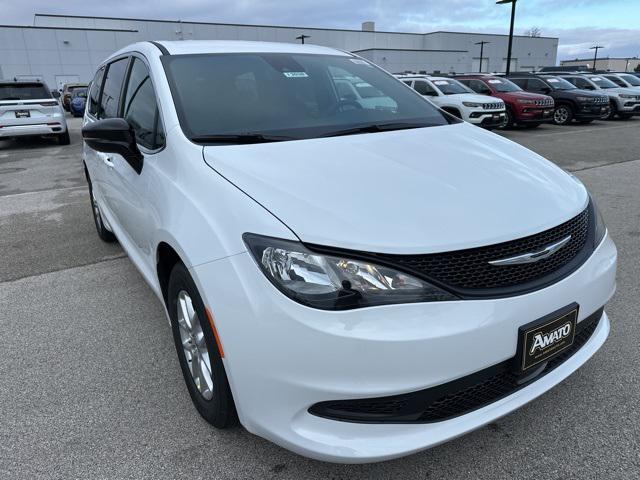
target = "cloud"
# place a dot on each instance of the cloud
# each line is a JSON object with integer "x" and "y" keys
{"x": 577, "y": 23}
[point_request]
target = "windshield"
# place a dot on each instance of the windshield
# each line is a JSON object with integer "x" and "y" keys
{"x": 451, "y": 87}
{"x": 24, "y": 91}
{"x": 558, "y": 83}
{"x": 291, "y": 96}
{"x": 603, "y": 82}
{"x": 79, "y": 93}
{"x": 502, "y": 85}
{"x": 632, "y": 79}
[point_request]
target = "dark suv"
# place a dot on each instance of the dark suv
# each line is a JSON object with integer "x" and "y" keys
{"x": 571, "y": 102}
{"x": 523, "y": 108}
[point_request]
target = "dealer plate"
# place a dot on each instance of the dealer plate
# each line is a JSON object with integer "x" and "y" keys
{"x": 22, "y": 113}
{"x": 546, "y": 337}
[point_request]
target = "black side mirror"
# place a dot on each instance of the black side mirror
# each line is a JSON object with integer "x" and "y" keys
{"x": 56, "y": 94}
{"x": 546, "y": 90}
{"x": 114, "y": 135}
{"x": 589, "y": 87}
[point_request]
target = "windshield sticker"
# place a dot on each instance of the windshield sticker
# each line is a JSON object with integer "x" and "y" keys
{"x": 495, "y": 81}
{"x": 553, "y": 80}
{"x": 440, "y": 82}
{"x": 295, "y": 74}
{"x": 359, "y": 62}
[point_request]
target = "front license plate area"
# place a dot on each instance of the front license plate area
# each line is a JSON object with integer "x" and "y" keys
{"x": 23, "y": 114}
{"x": 546, "y": 337}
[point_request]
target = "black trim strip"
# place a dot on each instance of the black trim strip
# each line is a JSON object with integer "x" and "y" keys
{"x": 161, "y": 47}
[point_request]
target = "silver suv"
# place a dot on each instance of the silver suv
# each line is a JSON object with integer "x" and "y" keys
{"x": 28, "y": 108}
{"x": 625, "y": 102}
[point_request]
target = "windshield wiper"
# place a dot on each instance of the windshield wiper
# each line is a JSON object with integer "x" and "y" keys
{"x": 377, "y": 127}
{"x": 241, "y": 138}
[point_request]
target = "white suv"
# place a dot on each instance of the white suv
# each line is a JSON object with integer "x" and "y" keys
{"x": 27, "y": 108}
{"x": 455, "y": 98}
{"x": 356, "y": 281}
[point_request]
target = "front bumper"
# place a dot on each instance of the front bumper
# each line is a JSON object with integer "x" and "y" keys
{"x": 534, "y": 115}
{"x": 53, "y": 128}
{"x": 591, "y": 111}
{"x": 282, "y": 358}
{"x": 486, "y": 118}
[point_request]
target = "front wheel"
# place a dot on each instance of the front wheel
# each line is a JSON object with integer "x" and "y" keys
{"x": 104, "y": 234}
{"x": 613, "y": 110}
{"x": 200, "y": 359}
{"x": 563, "y": 115}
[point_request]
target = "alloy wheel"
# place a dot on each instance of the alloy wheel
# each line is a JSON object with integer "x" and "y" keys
{"x": 561, "y": 115}
{"x": 194, "y": 346}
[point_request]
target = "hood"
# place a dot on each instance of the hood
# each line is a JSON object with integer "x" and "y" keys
{"x": 409, "y": 191}
{"x": 586, "y": 93}
{"x": 523, "y": 94}
{"x": 472, "y": 97}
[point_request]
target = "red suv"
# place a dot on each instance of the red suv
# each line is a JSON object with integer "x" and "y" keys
{"x": 523, "y": 108}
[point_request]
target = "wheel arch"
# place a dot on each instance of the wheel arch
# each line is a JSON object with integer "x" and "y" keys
{"x": 166, "y": 258}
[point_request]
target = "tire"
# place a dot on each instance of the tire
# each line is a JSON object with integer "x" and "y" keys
{"x": 563, "y": 114}
{"x": 63, "y": 138}
{"x": 509, "y": 119}
{"x": 212, "y": 400}
{"x": 104, "y": 234}
{"x": 613, "y": 111}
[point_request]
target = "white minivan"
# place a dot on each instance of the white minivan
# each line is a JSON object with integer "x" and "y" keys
{"x": 354, "y": 281}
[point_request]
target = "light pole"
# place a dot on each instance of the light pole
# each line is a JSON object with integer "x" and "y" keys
{"x": 513, "y": 17}
{"x": 482, "y": 44}
{"x": 302, "y": 37}
{"x": 595, "y": 55}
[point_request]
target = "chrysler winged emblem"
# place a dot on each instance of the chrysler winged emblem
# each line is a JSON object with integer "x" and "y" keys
{"x": 531, "y": 257}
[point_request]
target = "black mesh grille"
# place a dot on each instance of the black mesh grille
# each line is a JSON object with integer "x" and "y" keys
{"x": 452, "y": 399}
{"x": 470, "y": 269}
{"x": 496, "y": 387}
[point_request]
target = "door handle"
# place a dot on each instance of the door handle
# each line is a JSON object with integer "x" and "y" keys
{"x": 107, "y": 161}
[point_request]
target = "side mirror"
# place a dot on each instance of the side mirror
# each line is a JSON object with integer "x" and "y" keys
{"x": 56, "y": 94}
{"x": 546, "y": 90}
{"x": 432, "y": 93}
{"x": 114, "y": 135}
{"x": 589, "y": 87}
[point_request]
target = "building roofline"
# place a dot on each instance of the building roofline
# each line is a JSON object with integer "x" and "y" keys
{"x": 277, "y": 26}
{"x": 489, "y": 34}
{"x": 599, "y": 58}
{"x": 409, "y": 50}
{"x": 70, "y": 28}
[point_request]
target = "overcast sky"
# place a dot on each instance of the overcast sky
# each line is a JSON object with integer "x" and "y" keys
{"x": 578, "y": 23}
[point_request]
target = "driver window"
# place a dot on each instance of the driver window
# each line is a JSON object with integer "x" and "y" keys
{"x": 423, "y": 88}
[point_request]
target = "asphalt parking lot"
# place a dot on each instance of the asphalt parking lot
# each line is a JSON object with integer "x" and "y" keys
{"x": 91, "y": 386}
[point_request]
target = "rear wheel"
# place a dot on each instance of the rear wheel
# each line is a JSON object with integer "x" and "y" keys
{"x": 63, "y": 138}
{"x": 562, "y": 115}
{"x": 197, "y": 350}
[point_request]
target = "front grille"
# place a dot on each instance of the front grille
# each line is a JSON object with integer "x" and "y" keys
{"x": 602, "y": 100}
{"x": 493, "y": 106}
{"x": 469, "y": 271}
{"x": 548, "y": 102}
{"x": 452, "y": 399}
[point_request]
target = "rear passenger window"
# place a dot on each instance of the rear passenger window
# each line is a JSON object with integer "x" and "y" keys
{"x": 141, "y": 107}
{"x": 112, "y": 87}
{"x": 94, "y": 96}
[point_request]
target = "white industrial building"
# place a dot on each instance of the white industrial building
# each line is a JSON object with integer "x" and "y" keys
{"x": 62, "y": 48}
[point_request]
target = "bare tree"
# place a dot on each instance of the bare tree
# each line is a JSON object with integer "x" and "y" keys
{"x": 533, "y": 32}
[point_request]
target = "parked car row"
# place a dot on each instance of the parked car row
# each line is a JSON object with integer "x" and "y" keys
{"x": 530, "y": 99}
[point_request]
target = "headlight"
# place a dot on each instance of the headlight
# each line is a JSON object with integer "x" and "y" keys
{"x": 624, "y": 95}
{"x": 334, "y": 282}
{"x": 526, "y": 101}
{"x": 472, "y": 104}
{"x": 601, "y": 228}
{"x": 585, "y": 99}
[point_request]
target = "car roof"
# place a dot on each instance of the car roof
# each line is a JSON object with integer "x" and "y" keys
{"x": 185, "y": 47}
